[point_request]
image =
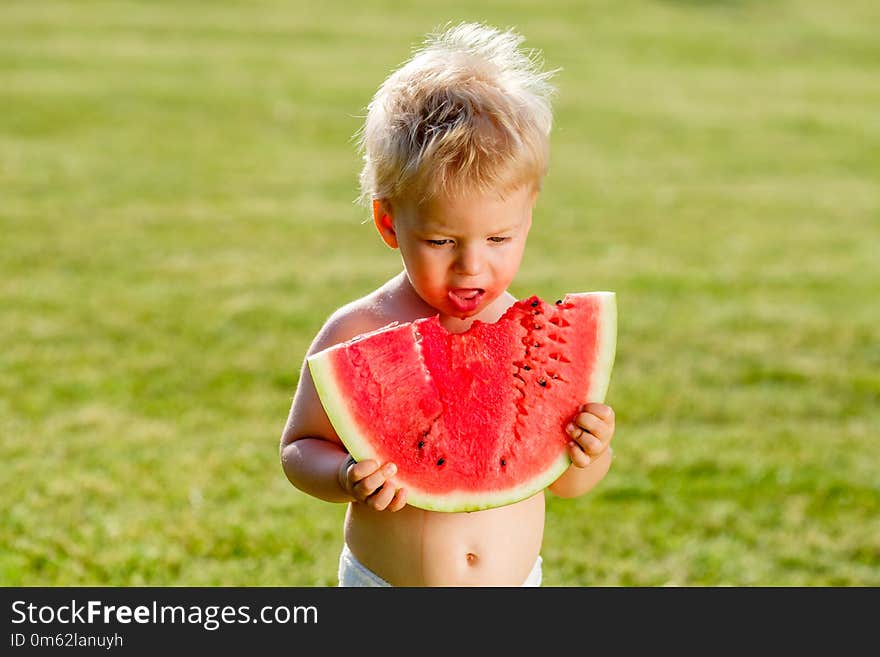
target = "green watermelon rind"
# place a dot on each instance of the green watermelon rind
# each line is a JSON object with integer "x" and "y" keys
{"x": 456, "y": 501}
{"x": 323, "y": 376}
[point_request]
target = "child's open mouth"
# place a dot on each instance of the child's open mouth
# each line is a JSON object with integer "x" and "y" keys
{"x": 466, "y": 299}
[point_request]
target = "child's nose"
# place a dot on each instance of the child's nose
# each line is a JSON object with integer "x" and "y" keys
{"x": 469, "y": 262}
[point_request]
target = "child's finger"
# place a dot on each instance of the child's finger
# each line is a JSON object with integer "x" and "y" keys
{"x": 590, "y": 444}
{"x": 578, "y": 457}
{"x": 362, "y": 469}
{"x": 602, "y": 411}
{"x": 367, "y": 486}
{"x": 371, "y": 483}
{"x": 382, "y": 497}
{"x": 593, "y": 424}
{"x": 399, "y": 500}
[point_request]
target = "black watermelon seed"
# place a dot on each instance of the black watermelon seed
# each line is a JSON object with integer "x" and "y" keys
{"x": 542, "y": 383}
{"x": 527, "y": 368}
{"x": 535, "y": 303}
{"x": 536, "y": 344}
{"x": 441, "y": 461}
{"x": 421, "y": 444}
{"x": 503, "y": 463}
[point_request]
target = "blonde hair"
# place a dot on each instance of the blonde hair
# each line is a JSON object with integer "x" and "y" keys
{"x": 470, "y": 111}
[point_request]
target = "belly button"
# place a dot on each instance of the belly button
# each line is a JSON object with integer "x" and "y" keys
{"x": 471, "y": 558}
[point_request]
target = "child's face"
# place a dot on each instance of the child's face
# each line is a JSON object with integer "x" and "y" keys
{"x": 460, "y": 254}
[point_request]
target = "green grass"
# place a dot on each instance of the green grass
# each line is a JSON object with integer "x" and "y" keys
{"x": 176, "y": 222}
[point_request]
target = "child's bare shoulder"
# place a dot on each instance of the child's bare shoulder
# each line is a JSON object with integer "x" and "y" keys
{"x": 368, "y": 313}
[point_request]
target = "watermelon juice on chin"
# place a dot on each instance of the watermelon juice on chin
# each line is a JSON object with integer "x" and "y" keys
{"x": 477, "y": 419}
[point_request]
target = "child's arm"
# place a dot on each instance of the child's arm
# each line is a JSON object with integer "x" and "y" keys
{"x": 312, "y": 456}
{"x": 591, "y": 432}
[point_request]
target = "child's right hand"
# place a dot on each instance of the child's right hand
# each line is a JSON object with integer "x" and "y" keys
{"x": 372, "y": 485}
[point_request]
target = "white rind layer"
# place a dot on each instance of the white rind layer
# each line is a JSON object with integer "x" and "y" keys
{"x": 606, "y": 344}
{"x": 323, "y": 375}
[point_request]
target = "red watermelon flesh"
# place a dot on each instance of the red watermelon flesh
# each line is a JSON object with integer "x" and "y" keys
{"x": 476, "y": 419}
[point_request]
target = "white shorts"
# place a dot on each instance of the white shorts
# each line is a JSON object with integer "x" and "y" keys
{"x": 353, "y": 573}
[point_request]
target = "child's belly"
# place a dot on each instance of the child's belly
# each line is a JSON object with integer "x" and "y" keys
{"x": 413, "y": 547}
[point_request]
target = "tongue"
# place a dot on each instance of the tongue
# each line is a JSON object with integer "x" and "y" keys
{"x": 465, "y": 300}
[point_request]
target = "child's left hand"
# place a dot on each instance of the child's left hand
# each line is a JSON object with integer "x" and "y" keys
{"x": 590, "y": 431}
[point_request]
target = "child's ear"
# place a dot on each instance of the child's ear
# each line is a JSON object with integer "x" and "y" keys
{"x": 384, "y": 221}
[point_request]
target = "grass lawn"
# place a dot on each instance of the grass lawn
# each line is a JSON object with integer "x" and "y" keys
{"x": 177, "y": 221}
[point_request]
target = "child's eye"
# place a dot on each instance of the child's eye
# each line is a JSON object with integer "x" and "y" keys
{"x": 498, "y": 239}
{"x": 439, "y": 242}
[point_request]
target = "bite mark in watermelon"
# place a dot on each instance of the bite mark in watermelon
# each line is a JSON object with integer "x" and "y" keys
{"x": 472, "y": 420}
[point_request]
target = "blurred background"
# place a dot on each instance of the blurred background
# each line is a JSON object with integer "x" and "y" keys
{"x": 177, "y": 221}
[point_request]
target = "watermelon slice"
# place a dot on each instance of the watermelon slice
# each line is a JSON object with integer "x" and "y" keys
{"x": 472, "y": 420}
